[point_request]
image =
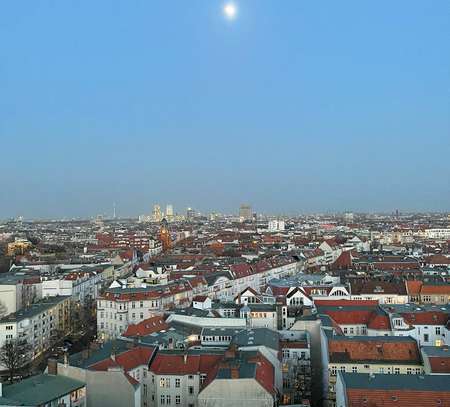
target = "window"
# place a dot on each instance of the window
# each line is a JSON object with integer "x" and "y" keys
{"x": 408, "y": 370}
{"x": 168, "y": 401}
{"x": 163, "y": 399}
{"x": 426, "y": 337}
{"x": 177, "y": 382}
{"x": 354, "y": 369}
{"x": 177, "y": 399}
{"x": 333, "y": 370}
{"x": 190, "y": 390}
{"x": 396, "y": 370}
{"x": 438, "y": 330}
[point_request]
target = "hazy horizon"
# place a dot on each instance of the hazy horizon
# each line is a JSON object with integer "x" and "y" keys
{"x": 293, "y": 107}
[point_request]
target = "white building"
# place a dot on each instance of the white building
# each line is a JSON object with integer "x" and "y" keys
{"x": 276, "y": 226}
{"x": 442, "y": 233}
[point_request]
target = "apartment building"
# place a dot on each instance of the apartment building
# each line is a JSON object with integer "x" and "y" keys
{"x": 177, "y": 377}
{"x": 367, "y": 354}
{"x": 38, "y": 325}
{"x": 117, "y": 308}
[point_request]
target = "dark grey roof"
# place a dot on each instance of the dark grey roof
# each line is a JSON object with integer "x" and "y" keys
{"x": 436, "y": 351}
{"x": 34, "y": 309}
{"x": 38, "y": 390}
{"x": 257, "y": 337}
{"x": 396, "y": 382}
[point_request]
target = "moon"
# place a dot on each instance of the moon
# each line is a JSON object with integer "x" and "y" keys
{"x": 230, "y": 11}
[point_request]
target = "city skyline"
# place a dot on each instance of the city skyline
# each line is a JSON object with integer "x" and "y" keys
{"x": 299, "y": 107}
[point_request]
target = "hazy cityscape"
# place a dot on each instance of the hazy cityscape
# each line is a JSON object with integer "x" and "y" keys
{"x": 223, "y": 203}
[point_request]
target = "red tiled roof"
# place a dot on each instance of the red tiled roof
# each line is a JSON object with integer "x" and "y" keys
{"x": 170, "y": 364}
{"x": 349, "y": 317}
{"x": 200, "y": 298}
{"x": 294, "y": 345}
{"x": 277, "y": 291}
{"x": 129, "y": 359}
{"x": 413, "y": 287}
{"x": 395, "y": 398}
{"x": 146, "y": 327}
{"x": 265, "y": 374}
{"x": 241, "y": 270}
{"x": 439, "y": 364}
{"x": 379, "y": 321}
{"x": 435, "y": 289}
{"x": 438, "y": 259}
{"x": 426, "y": 318}
{"x": 374, "y": 349}
{"x": 344, "y": 260}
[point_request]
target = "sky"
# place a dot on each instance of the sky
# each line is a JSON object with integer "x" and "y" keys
{"x": 294, "y": 106}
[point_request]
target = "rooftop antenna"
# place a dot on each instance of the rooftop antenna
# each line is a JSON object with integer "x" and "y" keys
{"x": 114, "y": 210}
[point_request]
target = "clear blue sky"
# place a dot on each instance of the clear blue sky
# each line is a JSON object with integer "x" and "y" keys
{"x": 295, "y": 106}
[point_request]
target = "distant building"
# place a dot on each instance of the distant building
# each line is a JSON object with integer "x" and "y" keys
{"x": 157, "y": 214}
{"x": 276, "y": 226}
{"x": 348, "y": 217}
{"x": 438, "y": 233}
{"x": 190, "y": 214}
{"x": 245, "y": 213}
{"x": 169, "y": 212}
{"x": 19, "y": 246}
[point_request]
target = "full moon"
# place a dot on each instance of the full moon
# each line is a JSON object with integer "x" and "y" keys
{"x": 230, "y": 10}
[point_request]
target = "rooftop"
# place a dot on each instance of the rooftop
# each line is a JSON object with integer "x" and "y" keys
{"x": 38, "y": 390}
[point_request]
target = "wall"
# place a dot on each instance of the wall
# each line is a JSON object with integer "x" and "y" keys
{"x": 237, "y": 392}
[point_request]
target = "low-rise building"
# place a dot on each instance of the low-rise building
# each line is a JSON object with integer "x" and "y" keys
{"x": 44, "y": 390}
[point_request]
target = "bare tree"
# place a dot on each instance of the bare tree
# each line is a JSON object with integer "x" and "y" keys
{"x": 14, "y": 355}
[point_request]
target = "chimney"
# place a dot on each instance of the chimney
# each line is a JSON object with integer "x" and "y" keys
{"x": 231, "y": 352}
{"x": 52, "y": 367}
{"x": 66, "y": 359}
